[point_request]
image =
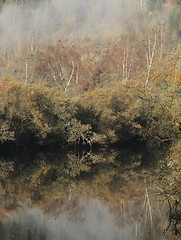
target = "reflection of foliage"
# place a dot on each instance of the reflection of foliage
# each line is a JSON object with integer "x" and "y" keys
{"x": 5, "y": 133}
{"x": 168, "y": 182}
{"x": 75, "y": 165}
{"x": 6, "y": 168}
{"x": 51, "y": 175}
{"x": 37, "y": 177}
{"x": 174, "y": 217}
{"x": 87, "y": 162}
{"x": 170, "y": 178}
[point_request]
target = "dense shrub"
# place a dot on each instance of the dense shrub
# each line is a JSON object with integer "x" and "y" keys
{"x": 126, "y": 112}
{"x": 38, "y": 114}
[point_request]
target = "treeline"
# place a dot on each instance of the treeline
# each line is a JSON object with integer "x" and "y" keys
{"x": 77, "y": 65}
{"x": 125, "y": 112}
{"x": 81, "y": 90}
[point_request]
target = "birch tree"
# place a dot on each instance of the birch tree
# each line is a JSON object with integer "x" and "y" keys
{"x": 150, "y": 54}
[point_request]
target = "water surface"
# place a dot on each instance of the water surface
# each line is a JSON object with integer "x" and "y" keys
{"x": 80, "y": 197}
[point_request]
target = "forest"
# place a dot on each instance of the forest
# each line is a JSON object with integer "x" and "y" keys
{"x": 92, "y": 74}
{"x": 117, "y": 84}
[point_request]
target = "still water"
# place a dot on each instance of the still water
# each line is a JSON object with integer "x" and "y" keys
{"x": 80, "y": 197}
{"x": 82, "y": 219}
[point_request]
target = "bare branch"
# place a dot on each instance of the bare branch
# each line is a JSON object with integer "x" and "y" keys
{"x": 53, "y": 75}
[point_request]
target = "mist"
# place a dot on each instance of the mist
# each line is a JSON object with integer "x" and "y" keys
{"x": 41, "y": 23}
{"x": 88, "y": 219}
{"x": 31, "y": 26}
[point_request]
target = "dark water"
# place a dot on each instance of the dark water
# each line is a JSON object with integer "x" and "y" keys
{"x": 80, "y": 197}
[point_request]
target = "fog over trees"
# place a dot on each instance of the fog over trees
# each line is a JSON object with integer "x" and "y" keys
{"x": 79, "y": 47}
{"x": 92, "y": 74}
{"x": 35, "y": 24}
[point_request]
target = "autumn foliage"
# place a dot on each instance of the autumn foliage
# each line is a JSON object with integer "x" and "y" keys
{"x": 125, "y": 112}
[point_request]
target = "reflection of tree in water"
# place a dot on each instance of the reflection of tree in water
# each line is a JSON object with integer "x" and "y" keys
{"x": 168, "y": 182}
{"x": 101, "y": 175}
{"x": 76, "y": 164}
{"x": 174, "y": 216}
{"x": 7, "y": 191}
{"x": 73, "y": 206}
{"x": 104, "y": 176}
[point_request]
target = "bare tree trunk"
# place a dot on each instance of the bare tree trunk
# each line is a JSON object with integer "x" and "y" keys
{"x": 148, "y": 210}
{"x": 127, "y": 63}
{"x": 71, "y": 75}
{"x": 26, "y": 72}
{"x": 150, "y": 53}
{"x": 142, "y": 5}
{"x": 161, "y": 37}
{"x": 77, "y": 77}
{"x": 53, "y": 75}
{"x": 58, "y": 78}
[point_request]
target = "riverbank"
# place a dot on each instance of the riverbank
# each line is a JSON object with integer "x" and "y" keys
{"x": 123, "y": 113}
